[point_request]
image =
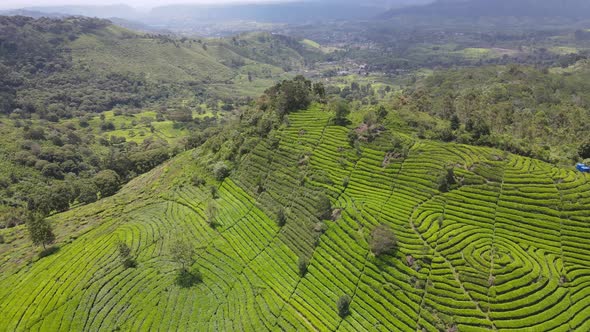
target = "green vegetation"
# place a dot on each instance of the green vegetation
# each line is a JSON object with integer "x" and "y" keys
{"x": 474, "y": 257}
{"x": 40, "y": 230}
{"x": 86, "y": 105}
{"x": 125, "y": 255}
{"x": 343, "y": 305}
{"x": 413, "y": 203}
{"x": 515, "y": 108}
{"x": 382, "y": 240}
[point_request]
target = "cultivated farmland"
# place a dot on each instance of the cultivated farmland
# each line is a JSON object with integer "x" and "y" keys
{"x": 504, "y": 248}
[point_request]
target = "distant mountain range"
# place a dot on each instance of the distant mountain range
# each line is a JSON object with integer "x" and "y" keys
{"x": 190, "y": 18}
{"x": 277, "y": 12}
{"x": 579, "y": 9}
{"x": 120, "y": 11}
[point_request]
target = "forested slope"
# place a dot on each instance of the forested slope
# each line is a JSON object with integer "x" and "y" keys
{"x": 80, "y": 97}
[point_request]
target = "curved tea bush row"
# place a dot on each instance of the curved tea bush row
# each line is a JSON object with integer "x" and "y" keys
{"x": 506, "y": 248}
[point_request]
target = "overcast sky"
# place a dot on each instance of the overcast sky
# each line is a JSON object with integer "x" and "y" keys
{"x": 11, "y": 4}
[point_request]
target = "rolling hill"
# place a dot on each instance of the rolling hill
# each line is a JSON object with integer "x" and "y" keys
{"x": 45, "y": 51}
{"x": 504, "y": 247}
{"x": 60, "y": 77}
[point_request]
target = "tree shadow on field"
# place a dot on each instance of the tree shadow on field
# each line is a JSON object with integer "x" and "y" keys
{"x": 48, "y": 251}
{"x": 187, "y": 279}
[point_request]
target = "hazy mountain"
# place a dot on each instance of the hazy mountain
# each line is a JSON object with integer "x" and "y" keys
{"x": 276, "y": 12}
{"x": 295, "y": 12}
{"x": 120, "y": 11}
{"x": 31, "y": 13}
{"x": 486, "y": 8}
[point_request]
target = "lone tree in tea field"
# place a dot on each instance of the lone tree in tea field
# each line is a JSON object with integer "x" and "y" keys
{"x": 447, "y": 180}
{"x": 40, "y": 230}
{"x": 324, "y": 207}
{"x": 211, "y": 212}
{"x": 343, "y": 305}
{"x": 184, "y": 254}
{"x": 302, "y": 264}
{"x": 382, "y": 240}
{"x": 342, "y": 110}
{"x": 281, "y": 217}
{"x": 125, "y": 255}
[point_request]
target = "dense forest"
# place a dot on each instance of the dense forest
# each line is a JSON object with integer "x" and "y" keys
{"x": 520, "y": 109}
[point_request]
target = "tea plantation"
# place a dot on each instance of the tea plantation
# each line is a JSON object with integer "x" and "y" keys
{"x": 504, "y": 247}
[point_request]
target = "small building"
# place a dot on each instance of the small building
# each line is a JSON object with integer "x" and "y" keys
{"x": 583, "y": 168}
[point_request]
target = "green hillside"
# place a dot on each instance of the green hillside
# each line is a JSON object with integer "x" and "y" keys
{"x": 160, "y": 59}
{"x": 79, "y": 96}
{"x": 209, "y": 63}
{"x": 485, "y": 240}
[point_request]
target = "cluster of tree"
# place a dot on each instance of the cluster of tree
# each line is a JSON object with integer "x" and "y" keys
{"x": 59, "y": 165}
{"x": 34, "y": 45}
{"x": 356, "y": 91}
{"x": 38, "y": 75}
{"x": 519, "y": 109}
{"x": 292, "y": 95}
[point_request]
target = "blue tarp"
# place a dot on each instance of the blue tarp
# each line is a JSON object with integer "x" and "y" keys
{"x": 583, "y": 168}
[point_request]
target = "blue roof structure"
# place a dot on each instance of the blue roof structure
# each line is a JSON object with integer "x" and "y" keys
{"x": 583, "y": 168}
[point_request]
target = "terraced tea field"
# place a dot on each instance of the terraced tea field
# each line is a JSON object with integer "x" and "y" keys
{"x": 506, "y": 249}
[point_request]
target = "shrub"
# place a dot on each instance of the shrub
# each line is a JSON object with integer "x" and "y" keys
{"x": 107, "y": 126}
{"x": 125, "y": 255}
{"x": 129, "y": 263}
{"x": 382, "y": 240}
{"x": 302, "y": 265}
{"x": 324, "y": 207}
{"x": 2, "y": 241}
{"x": 52, "y": 170}
{"x": 281, "y": 217}
{"x": 381, "y": 113}
{"x": 446, "y": 181}
{"x": 345, "y": 182}
{"x": 197, "y": 181}
{"x": 455, "y": 122}
{"x": 211, "y": 213}
{"x": 214, "y": 192}
{"x": 36, "y": 133}
{"x": 342, "y": 110}
{"x": 584, "y": 150}
{"x": 352, "y": 137}
{"x": 124, "y": 250}
{"x": 320, "y": 228}
{"x": 88, "y": 192}
{"x": 343, "y": 305}
{"x": 220, "y": 171}
{"x": 260, "y": 187}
